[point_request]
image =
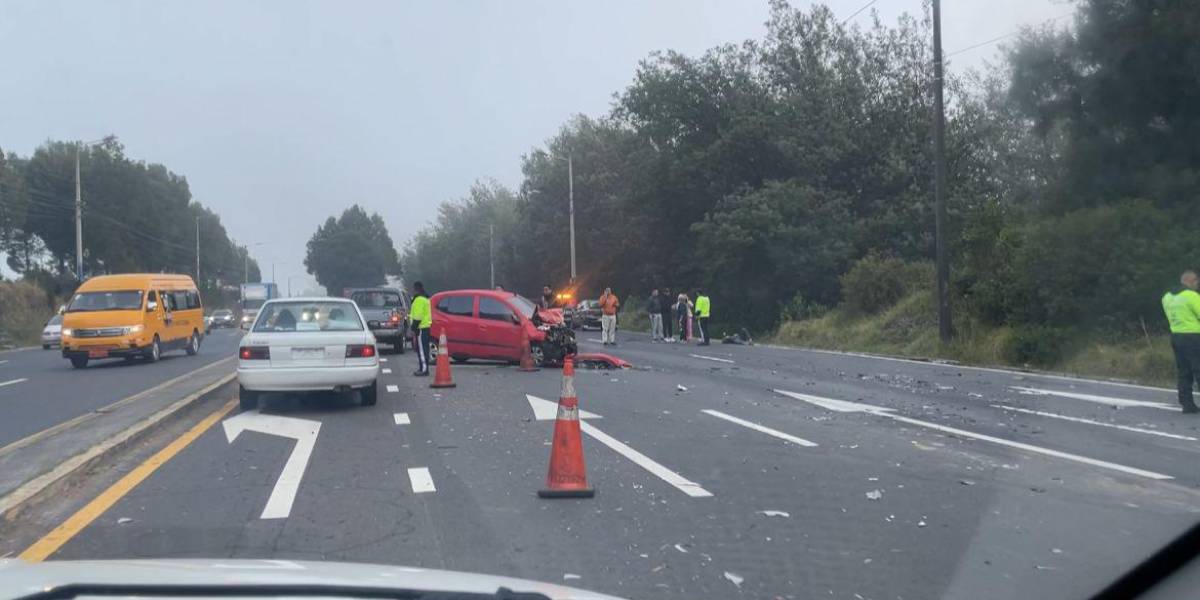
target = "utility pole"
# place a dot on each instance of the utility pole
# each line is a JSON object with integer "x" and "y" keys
{"x": 78, "y": 220}
{"x": 246, "y": 264}
{"x": 945, "y": 329}
{"x": 197, "y": 250}
{"x": 492, "y": 252}
{"x": 571, "y": 201}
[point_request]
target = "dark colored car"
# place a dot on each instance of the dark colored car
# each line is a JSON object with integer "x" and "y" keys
{"x": 587, "y": 315}
{"x": 386, "y": 312}
{"x": 223, "y": 318}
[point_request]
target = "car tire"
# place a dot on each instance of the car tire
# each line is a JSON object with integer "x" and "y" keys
{"x": 155, "y": 351}
{"x": 459, "y": 358}
{"x": 398, "y": 347}
{"x": 79, "y": 362}
{"x": 539, "y": 356}
{"x": 45, "y": 346}
{"x": 247, "y": 399}
{"x": 370, "y": 394}
{"x": 193, "y": 346}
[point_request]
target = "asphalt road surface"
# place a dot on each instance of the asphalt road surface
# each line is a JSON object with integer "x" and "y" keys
{"x": 720, "y": 472}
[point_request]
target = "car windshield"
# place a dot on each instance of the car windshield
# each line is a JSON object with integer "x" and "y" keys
{"x": 55, "y": 320}
{"x": 99, "y": 301}
{"x": 278, "y": 317}
{"x": 523, "y": 304}
{"x": 253, "y": 304}
{"x": 376, "y": 299}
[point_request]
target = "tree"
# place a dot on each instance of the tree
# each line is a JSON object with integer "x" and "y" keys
{"x": 352, "y": 250}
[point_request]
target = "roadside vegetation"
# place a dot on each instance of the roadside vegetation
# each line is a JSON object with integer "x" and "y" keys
{"x": 26, "y": 308}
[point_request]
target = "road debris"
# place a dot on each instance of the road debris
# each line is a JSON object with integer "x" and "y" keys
{"x": 680, "y": 548}
{"x": 874, "y": 494}
{"x": 124, "y": 520}
{"x": 735, "y": 579}
{"x": 571, "y": 576}
{"x": 679, "y": 386}
{"x": 774, "y": 513}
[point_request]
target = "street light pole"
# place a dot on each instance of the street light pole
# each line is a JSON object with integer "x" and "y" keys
{"x": 571, "y": 201}
{"x": 78, "y": 219}
{"x": 197, "y": 250}
{"x": 945, "y": 329}
{"x": 492, "y": 252}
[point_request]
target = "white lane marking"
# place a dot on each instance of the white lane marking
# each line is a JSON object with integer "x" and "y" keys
{"x": 3, "y": 361}
{"x": 1051, "y": 415}
{"x": 383, "y": 360}
{"x": 1121, "y": 402}
{"x": 4, "y": 383}
{"x": 930, "y": 363}
{"x": 304, "y": 431}
{"x": 387, "y": 371}
{"x": 401, "y": 418}
{"x": 684, "y": 485}
{"x": 421, "y": 480}
{"x": 845, "y": 406}
{"x": 545, "y": 410}
{"x": 393, "y": 388}
{"x": 755, "y": 426}
{"x": 724, "y": 360}
{"x": 594, "y": 340}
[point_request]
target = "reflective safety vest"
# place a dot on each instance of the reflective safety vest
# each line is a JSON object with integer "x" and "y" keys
{"x": 1183, "y": 311}
{"x": 703, "y": 308}
{"x": 419, "y": 313}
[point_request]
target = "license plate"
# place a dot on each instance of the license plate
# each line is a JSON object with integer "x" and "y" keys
{"x": 308, "y": 353}
{"x": 97, "y": 353}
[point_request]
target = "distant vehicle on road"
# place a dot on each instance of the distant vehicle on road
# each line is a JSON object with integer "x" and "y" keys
{"x": 132, "y": 316}
{"x": 386, "y": 312}
{"x": 52, "y": 332}
{"x": 487, "y": 324}
{"x": 223, "y": 317}
{"x": 308, "y": 345}
{"x": 253, "y": 297}
{"x": 587, "y": 315}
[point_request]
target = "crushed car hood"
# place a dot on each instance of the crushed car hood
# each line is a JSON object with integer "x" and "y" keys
{"x": 20, "y": 579}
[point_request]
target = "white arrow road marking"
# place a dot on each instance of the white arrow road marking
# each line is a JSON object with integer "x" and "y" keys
{"x": 1121, "y": 402}
{"x": 724, "y": 360}
{"x": 401, "y": 418}
{"x": 4, "y": 383}
{"x": 393, "y": 388}
{"x": 383, "y": 360}
{"x": 1051, "y": 415}
{"x": 421, "y": 480}
{"x": 755, "y": 426}
{"x": 844, "y": 406}
{"x": 545, "y": 410}
{"x": 304, "y": 431}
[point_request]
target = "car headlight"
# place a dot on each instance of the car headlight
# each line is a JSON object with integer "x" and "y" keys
{"x": 132, "y": 329}
{"x": 66, "y": 332}
{"x": 245, "y": 318}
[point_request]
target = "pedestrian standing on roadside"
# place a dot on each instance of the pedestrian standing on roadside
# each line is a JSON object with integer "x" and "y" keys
{"x": 666, "y": 311}
{"x": 547, "y": 300}
{"x": 703, "y": 311}
{"x": 654, "y": 310}
{"x": 1182, "y": 306}
{"x": 608, "y": 317}
{"x": 683, "y": 317}
{"x": 420, "y": 318}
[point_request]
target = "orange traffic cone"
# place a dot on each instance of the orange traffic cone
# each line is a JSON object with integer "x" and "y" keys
{"x": 567, "y": 477}
{"x": 526, "y": 355}
{"x": 441, "y": 376}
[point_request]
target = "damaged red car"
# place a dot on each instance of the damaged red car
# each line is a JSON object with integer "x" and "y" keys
{"x": 487, "y": 324}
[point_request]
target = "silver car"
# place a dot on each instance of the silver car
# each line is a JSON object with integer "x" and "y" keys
{"x": 308, "y": 345}
{"x": 52, "y": 332}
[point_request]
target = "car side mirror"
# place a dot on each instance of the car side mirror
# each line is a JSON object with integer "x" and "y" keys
{"x": 151, "y": 306}
{"x": 515, "y": 319}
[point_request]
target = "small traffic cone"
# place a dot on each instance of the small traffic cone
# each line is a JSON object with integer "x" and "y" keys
{"x": 526, "y": 355}
{"x": 567, "y": 477}
{"x": 441, "y": 376}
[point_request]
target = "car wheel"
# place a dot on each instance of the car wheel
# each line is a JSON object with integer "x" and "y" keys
{"x": 398, "y": 347}
{"x": 193, "y": 344}
{"x": 247, "y": 399}
{"x": 79, "y": 362}
{"x": 155, "y": 351}
{"x": 370, "y": 394}
{"x": 459, "y": 358}
{"x": 45, "y": 346}
{"x": 539, "y": 356}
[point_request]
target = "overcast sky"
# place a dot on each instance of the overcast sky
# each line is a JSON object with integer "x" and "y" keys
{"x": 282, "y": 113}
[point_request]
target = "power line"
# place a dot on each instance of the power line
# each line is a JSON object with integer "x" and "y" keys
{"x": 862, "y": 8}
{"x": 1003, "y": 37}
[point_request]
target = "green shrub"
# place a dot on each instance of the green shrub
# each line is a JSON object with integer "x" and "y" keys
{"x": 24, "y": 309}
{"x": 1036, "y": 345}
{"x": 875, "y": 283}
{"x": 799, "y": 308}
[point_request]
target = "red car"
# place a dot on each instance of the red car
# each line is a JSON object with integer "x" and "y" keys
{"x": 487, "y": 324}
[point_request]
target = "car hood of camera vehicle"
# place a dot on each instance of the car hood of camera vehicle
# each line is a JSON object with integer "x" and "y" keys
{"x": 20, "y": 579}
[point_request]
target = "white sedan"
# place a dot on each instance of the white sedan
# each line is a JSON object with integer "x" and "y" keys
{"x": 308, "y": 345}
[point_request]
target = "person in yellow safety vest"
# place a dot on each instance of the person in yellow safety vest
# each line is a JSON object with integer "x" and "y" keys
{"x": 703, "y": 312}
{"x": 420, "y": 318}
{"x": 1182, "y": 306}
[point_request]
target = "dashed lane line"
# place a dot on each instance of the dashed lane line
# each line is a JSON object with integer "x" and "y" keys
{"x": 1051, "y": 415}
{"x": 760, "y": 428}
{"x": 421, "y": 480}
{"x": 401, "y": 418}
{"x": 713, "y": 358}
{"x": 14, "y": 381}
{"x": 387, "y": 371}
{"x": 393, "y": 388}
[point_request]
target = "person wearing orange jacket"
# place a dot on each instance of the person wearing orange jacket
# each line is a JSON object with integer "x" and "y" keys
{"x": 609, "y": 303}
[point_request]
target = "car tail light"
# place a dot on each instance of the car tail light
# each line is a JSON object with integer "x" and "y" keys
{"x": 360, "y": 351}
{"x": 255, "y": 353}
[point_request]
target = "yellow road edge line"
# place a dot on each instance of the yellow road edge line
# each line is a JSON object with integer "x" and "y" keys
{"x": 34, "y": 486}
{"x": 62, "y": 534}
{"x": 92, "y": 414}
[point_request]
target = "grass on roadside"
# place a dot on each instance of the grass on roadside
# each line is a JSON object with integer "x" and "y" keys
{"x": 24, "y": 310}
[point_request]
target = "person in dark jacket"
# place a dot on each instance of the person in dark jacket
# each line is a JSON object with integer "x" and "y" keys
{"x": 654, "y": 310}
{"x": 665, "y": 310}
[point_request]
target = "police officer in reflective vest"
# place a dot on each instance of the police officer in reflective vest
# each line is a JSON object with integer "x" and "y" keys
{"x": 420, "y": 318}
{"x": 1182, "y": 306}
{"x": 703, "y": 312}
